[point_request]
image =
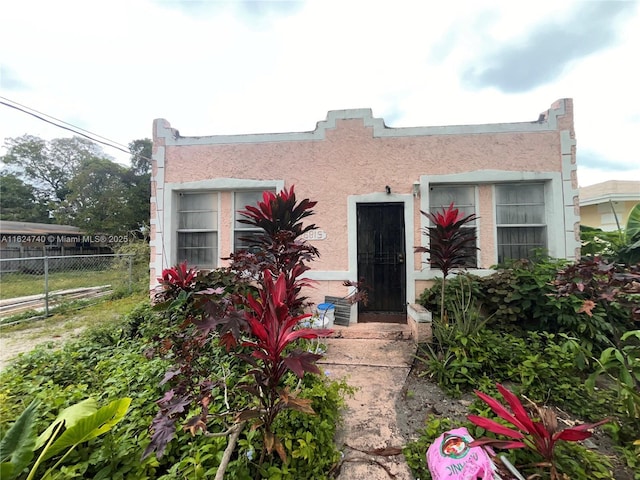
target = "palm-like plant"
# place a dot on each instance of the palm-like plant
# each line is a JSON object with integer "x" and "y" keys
{"x": 450, "y": 244}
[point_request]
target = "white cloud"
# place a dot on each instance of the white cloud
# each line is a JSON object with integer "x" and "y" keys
{"x": 112, "y": 67}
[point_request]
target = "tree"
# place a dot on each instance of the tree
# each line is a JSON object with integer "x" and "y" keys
{"x": 49, "y": 165}
{"x": 141, "y": 151}
{"x": 98, "y": 199}
{"x": 20, "y": 201}
{"x": 139, "y": 180}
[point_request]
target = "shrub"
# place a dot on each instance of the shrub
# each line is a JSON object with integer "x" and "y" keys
{"x": 591, "y": 300}
{"x": 107, "y": 365}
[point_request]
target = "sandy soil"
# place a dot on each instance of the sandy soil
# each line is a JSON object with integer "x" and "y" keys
{"x": 15, "y": 342}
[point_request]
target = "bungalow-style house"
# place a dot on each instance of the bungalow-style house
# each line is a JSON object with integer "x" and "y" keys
{"x": 607, "y": 205}
{"x": 371, "y": 182}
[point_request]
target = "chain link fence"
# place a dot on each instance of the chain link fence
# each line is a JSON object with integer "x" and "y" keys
{"x": 40, "y": 283}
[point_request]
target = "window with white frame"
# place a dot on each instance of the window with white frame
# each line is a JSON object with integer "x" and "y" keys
{"x": 197, "y": 229}
{"x": 464, "y": 199}
{"x": 243, "y": 234}
{"x": 520, "y": 220}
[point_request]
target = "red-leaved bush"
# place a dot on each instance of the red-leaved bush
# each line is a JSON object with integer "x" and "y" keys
{"x": 539, "y": 433}
{"x": 253, "y": 308}
{"x": 450, "y": 244}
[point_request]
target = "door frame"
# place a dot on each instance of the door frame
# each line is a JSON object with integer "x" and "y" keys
{"x": 352, "y": 226}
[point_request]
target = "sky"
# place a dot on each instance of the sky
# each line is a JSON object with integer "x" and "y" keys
{"x": 231, "y": 67}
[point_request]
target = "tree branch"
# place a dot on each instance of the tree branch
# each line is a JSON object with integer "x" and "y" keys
{"x": 226, "y": 457}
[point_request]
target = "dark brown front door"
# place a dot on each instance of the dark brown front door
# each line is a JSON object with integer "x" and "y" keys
{"x": 381, "y": 261}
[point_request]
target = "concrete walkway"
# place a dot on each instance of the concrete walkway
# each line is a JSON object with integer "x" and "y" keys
{"x": 375, "y": 358}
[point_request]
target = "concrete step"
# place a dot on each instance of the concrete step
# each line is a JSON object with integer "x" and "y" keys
{"x": 369, "y": 352}
{"x": 381, "y": 331}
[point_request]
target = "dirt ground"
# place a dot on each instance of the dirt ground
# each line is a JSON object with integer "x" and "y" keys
{"x": 14, "y": 342}
{"x": 421, "y": 398}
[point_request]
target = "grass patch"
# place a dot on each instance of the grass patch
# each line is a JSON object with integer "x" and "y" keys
{"x": 22, "y": 284}
{"x": 76, "y": 316}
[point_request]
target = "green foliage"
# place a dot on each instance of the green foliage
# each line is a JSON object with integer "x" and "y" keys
{"x": 76, "y": 424}
{"x": 20, "y": 202}
{"x": 590, "y": 300}
{"x": 542, "y": 363}
{"x": 49, "y": 165}
{"x": 596, "y": 242}
{"x": 78, "y": 182}
{"x": 110, "y": 362}
{"x": 622, "y": 367}
{"x": 17, "y": 445}
{"x": 621, "y": 246}
{"x": 140, "y": 252}
{"x": 97, "y": 199}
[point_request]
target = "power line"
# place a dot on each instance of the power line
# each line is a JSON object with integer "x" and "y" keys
{"x": 62, "y": 121}
{"x": 74, "y": 129}
{"x": 71, "y": 128}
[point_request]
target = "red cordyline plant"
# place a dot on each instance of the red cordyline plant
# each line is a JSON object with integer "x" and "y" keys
{"x": 540, "y": 436}
{"x": 280, "y": 249}
{"x": 220, "y": 305}
{"x": 273, "y": 329}
{"x": 176, "y": 278}
{"x": 450, "y": 244}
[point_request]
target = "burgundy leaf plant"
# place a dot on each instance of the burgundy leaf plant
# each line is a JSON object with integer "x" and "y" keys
{"x": 273, "y": 329}
{"x": 450, "y": 244}
{"x": 539, "y": 433}
{"x": 253, "y": 308}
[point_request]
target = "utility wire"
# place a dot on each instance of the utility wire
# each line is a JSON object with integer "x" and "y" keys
{"x": 63, "y": 122}
{"x": 70, "y": 127}
{"x": 76, "y": 130}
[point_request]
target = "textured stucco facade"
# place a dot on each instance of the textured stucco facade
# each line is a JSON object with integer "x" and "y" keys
{"x": 349, "y": 159}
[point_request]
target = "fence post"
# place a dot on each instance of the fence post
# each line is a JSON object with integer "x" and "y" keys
{"x": 130, "y": 273}
{"x": 46, "y": 286}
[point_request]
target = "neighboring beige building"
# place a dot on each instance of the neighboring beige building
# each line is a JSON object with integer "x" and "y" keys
{"x": 371, "y": 182}
{"x": 599, "y": 202}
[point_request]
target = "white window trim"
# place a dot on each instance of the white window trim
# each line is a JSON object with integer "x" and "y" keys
{"x": 215, "y": 185}
{"x": 215, "y": 229}
{"x": 545, "y": 186}
{"x": 553, "y": 191}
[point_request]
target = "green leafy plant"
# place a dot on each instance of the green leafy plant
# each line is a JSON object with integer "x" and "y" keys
{"x": 622, "y": 367}
{"x": 450, "y": 244}
{"x": 74, "y": 425}
{"x": 619, "y": 246}
{"x": 539, "y": 435}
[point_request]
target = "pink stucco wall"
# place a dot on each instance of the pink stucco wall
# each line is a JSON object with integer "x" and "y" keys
{"x": 352, "y": 160}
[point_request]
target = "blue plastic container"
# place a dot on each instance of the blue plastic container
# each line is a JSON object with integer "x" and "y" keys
{"x": 326, "y": 314}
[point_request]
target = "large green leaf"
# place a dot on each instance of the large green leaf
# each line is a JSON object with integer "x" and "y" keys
{"x": 632, "y": 230}
{"x": 16, "y": 447}
{"x": 70, "y": 416}
{"x": 90, "y": 427}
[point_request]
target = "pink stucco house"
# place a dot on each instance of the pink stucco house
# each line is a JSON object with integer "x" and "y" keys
{"x": 371, "y": 182}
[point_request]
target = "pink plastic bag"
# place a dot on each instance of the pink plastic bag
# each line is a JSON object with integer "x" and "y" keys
{"x": 450, "y": 457}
